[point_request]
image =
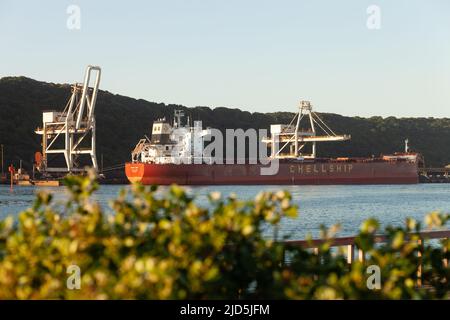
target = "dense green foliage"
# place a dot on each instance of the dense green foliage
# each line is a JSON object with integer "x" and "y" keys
{"x": 163, "y": 246}
{"x": 122, "y": 121}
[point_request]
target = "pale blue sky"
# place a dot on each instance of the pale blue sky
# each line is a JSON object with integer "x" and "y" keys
{"x": 256, "y": 55}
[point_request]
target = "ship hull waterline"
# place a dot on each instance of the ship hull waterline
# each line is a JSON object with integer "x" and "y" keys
{"x": 383, "y": 172}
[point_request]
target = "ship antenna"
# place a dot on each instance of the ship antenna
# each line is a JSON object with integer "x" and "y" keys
{"x": 178, "y": 114}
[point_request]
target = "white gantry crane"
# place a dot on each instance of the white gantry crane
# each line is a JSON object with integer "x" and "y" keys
{"x": 293, "y": 139}
{"x": 71, "y": 133}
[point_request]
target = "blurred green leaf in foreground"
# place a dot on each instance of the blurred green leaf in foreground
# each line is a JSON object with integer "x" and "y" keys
{"x": 164, "y": 246}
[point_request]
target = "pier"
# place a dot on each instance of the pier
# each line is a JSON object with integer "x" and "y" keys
{"x": 434, "y": 175}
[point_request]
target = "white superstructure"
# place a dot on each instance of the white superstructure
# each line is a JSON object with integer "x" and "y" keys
{"x": 172, "y": 144}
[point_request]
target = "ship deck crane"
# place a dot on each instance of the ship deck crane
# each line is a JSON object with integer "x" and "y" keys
{"x": 296, "y": 137}
{"x": 71, "y": 133}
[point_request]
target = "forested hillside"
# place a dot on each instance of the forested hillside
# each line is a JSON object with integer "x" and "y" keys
{"x": 122, "y": 121}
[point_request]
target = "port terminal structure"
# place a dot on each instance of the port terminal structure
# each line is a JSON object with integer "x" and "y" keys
{"x": 71, "y": 133}
{"x": 293, "y": 139}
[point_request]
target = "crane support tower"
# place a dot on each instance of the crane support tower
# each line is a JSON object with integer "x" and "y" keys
{"x": 294, "y": 138}
{"x": 71, "y": 133}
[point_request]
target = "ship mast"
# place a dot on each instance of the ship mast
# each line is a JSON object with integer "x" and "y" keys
{"x": 295, "y": 138}
{"x": 178, "y": 114}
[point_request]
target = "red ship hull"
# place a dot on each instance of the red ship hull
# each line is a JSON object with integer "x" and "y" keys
{"x": 289, "y": 173}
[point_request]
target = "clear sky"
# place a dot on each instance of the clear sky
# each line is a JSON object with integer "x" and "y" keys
{"x": 257, "y": 55}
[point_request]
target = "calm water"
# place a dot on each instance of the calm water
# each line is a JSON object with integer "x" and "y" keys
{"x": 347, "y": 205}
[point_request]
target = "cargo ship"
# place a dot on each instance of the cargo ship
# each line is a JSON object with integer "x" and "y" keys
{"x": 175, "y": 154}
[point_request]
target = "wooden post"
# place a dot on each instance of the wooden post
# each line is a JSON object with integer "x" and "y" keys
{"x": 361, "y": 256}
{"x": 445, "y": 260}
{"x": 350, "y": 254}
{"x": 316, "y": 252}
{"x": 419, "y": 267}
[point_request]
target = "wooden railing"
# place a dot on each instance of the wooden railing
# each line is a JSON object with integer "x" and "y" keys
{"x": 349, "y": 242}
{"x": 351, "y": 245}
